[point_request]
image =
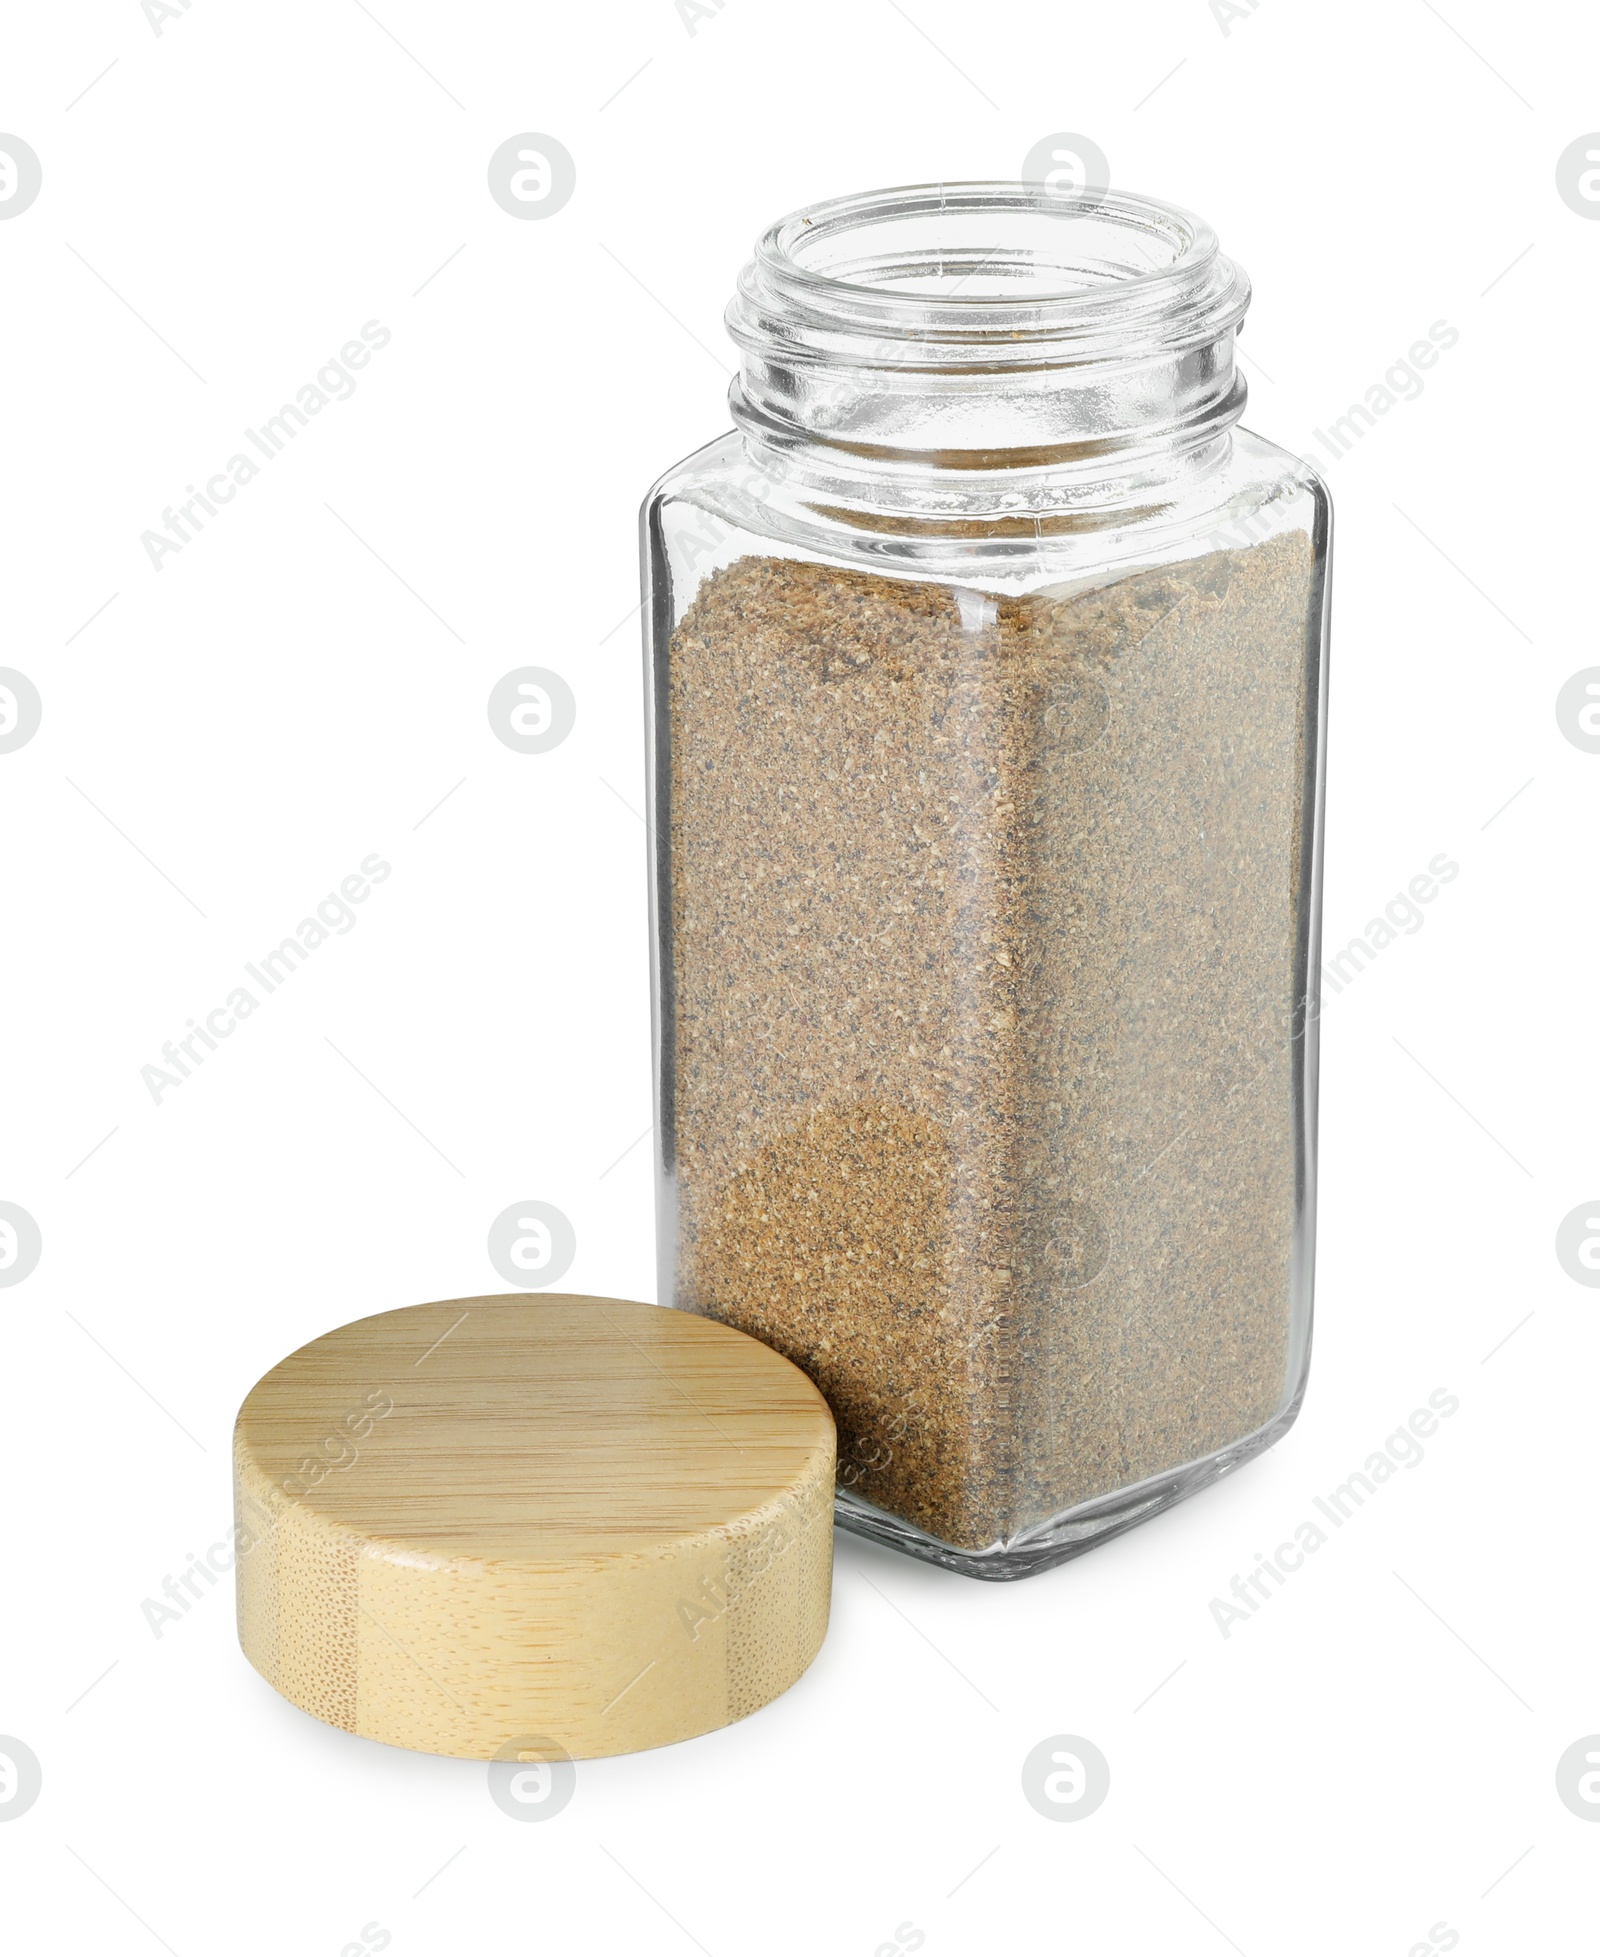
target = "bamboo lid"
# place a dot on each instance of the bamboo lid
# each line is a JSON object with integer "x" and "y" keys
{"x": 566, "y": 1523}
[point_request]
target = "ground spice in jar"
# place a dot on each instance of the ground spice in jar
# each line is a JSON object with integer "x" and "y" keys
{"x": 984, "y": 932}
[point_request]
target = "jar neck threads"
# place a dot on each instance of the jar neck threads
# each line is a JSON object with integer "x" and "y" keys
{"x": 997, "y": 347}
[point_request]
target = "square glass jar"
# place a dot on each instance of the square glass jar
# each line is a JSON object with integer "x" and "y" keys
{"x": 986, "y": 660}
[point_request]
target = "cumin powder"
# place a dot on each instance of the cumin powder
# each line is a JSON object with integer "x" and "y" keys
{"x": 983, "y": 950}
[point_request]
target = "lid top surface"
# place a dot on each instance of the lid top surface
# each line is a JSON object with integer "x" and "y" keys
{"x": 532, "y": 1428}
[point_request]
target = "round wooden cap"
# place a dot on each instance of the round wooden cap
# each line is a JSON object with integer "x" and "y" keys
{"x": 498, "y": 1525}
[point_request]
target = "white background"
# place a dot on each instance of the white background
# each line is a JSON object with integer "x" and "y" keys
{"x": 1368, "y": 1756}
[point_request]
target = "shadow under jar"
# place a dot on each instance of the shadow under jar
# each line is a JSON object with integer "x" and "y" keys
{"x": 986, "y": 663}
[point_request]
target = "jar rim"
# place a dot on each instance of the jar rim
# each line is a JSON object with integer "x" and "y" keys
{"x": 1040, "y": 265}
{"x": 980, "y": 344}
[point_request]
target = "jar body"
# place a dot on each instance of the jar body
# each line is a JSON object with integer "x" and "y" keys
{"x": 986, "y": 891}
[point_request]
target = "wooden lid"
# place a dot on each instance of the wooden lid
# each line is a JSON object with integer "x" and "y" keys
{"x": 553, "y": 1522}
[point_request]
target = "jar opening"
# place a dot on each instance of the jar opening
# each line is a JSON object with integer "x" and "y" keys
{"x": 970, "y": 244}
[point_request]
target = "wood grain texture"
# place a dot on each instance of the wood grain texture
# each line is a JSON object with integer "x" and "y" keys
{"x": 602, "y": 1524}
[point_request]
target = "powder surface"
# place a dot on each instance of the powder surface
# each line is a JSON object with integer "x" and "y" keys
{"x": 982, "y": 960}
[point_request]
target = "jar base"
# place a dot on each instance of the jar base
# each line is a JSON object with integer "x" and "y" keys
{"x": 1075, "y": 1530}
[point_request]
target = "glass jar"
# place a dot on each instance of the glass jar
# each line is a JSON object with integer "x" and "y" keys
{"x": 986, "y": 665}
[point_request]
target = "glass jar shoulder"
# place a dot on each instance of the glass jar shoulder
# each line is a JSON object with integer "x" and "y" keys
{"x": 720, "y": 504}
